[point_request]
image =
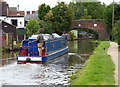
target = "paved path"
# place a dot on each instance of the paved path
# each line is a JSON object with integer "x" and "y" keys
{"x": 113, "y": 52}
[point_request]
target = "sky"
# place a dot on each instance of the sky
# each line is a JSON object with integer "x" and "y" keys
{"x": 32, "y": 5}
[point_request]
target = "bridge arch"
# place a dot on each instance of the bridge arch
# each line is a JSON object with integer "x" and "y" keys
{"x": 96, "y": 25}
{"x": 86, "y": 30}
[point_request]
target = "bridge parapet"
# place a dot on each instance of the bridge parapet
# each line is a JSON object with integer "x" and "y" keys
{"x": 98, "y": 26}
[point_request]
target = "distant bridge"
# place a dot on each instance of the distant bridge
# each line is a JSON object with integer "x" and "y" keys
{"x": 98, "y": 26}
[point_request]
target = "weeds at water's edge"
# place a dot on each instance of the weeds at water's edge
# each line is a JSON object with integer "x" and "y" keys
{"x": 99, "y": 69}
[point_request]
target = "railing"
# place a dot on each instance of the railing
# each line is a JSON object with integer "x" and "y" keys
{"x": 29, "y": 47}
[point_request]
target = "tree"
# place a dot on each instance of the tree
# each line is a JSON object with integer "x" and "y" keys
{"x": 86, "y": 16}
{"x": 49, "y": 16}
{"x": 86, "y": 0}
{"x": 43, "y": 9}
{"x": 71, "y": 9}
{"x": 47, "y": 26}
{"x": 94, "y": 9}
{"x": 116, "y": 31}
{"x": 32, "y": 26}
{"x": 108, "y": 16}
{"x": 61, "y": 18}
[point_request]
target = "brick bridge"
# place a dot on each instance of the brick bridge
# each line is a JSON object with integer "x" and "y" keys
{"x": 96, "y": 25}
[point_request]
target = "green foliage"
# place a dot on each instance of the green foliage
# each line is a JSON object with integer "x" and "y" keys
{"x": 93, "y": 9}
{"x": 108, "y": 15}
{"x": 47, "y": 26}
{"x": 61, "y": 18}
{"x": 49, "y": 17}
{"x": 86, "y": 0}
{"x": 86, "y": 16}
{"x": 116, "y": 31}
{"x": 71, "y": 9}
{"x": 99, "y": 69}
{"x": 32, "y": 26}
{"x": 43, "y": 9}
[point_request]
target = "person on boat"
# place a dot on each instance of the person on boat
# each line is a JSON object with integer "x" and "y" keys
{"x": 39, "y": 40}
{"x": 24, "y": 51}
{"x": 26, "y": 40}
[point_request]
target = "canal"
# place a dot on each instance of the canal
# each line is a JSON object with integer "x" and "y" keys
{"x": 55, "y": 72}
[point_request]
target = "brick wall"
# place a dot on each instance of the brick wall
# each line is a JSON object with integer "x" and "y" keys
{"x": 0, "y": 8}
{"x": 97, "y": 25}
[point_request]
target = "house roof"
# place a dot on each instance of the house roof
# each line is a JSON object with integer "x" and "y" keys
{"x": 12, "y": 8}
{"x": 33, "y": 16}
{"x": 5, "y": 23}
{"x": 16, "y": 14}
{"x": 7, "y": 28}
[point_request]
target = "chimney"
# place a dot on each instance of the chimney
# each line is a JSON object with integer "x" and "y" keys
{"x": 28, "y": 12}
{"x": 33, "y": 12}
{"x": 18, "y": 8}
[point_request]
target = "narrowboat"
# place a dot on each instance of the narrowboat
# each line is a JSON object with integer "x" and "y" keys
{"x": 52, "y": 47}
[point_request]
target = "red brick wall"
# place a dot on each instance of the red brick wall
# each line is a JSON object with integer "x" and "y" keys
{"x": 100, "y": 28}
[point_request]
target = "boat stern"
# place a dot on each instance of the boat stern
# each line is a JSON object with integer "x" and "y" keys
{"x": 29, "y": 59}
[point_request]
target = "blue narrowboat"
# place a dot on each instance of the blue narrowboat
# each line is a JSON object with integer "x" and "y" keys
{"x": 51, "y": 48}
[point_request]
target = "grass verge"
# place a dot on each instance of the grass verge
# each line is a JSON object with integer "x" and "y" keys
{"x": 99, "y": 69}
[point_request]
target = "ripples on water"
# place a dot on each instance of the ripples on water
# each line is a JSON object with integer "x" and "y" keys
{"x": 52, "y": 73}
{"x": 36, "y": 74}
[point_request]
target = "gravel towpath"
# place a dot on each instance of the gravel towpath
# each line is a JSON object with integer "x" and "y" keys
{"x": 113, "y": 52}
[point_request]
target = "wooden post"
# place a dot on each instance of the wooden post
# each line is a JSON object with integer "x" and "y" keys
{"x": 113, "y": 21}
{"x": 0, "y": 47}
{"x": 12, "y": 45}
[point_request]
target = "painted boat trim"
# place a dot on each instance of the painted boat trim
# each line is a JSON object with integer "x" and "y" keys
{"x": 24, "y": 58}
{"x": 43, "y": 58}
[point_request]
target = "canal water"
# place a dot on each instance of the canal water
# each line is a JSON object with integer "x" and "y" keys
{"x": 55, "y": 72}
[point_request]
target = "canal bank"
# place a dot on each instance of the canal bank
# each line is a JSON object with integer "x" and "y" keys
{"x": 99, "y": 69}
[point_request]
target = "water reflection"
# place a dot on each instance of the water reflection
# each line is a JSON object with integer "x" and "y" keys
{"x": 81, "y": 46}
{"x": 52, "y": 73}
{"x": 8, "y": 57}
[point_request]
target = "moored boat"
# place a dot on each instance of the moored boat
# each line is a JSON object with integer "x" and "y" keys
{"x": 51, "y": 48}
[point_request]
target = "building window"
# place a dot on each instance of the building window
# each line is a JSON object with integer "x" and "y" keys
{"x": 14, "y": 22}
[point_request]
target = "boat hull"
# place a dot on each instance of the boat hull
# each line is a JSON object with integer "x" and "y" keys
{"x": 41, "y": 59}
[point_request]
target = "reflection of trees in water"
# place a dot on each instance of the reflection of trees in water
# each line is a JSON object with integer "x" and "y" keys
{"x": 80, "y": 47}
{"x": 6, "y": 57}
{"x": 85, "y": 46}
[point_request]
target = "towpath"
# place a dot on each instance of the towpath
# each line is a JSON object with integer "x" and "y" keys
{"x": 113, "y": 52}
